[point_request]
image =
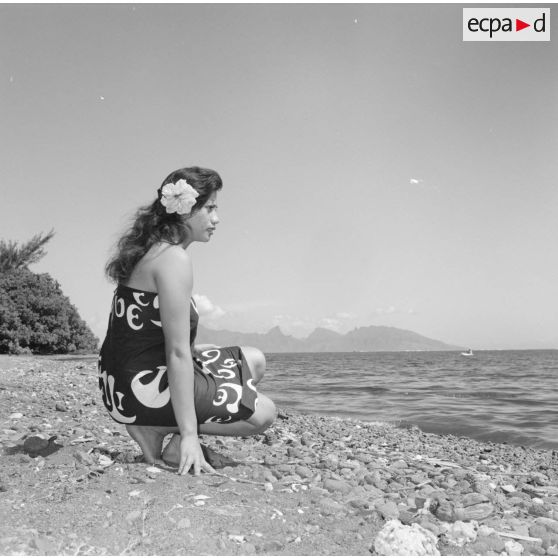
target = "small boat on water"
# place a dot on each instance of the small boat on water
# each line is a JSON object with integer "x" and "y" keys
{"x": 468, "y": 352}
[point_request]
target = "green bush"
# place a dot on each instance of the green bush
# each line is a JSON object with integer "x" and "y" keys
{"x": 36, "y": 317}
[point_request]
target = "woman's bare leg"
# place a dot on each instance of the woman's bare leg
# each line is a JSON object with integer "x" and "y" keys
{"x": 150, "y": 439}
{"x": 256, "y": 361}
{"x": 263, "y": 417}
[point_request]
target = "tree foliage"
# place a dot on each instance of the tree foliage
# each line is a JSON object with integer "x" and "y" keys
{"x": 35, "y": 316}
{"x": 15, "y": 256}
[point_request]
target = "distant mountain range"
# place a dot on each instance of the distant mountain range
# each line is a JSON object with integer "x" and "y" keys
{"x": 371, "y": 338}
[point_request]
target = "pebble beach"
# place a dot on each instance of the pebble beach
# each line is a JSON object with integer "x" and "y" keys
{"x": 72, "y": 482}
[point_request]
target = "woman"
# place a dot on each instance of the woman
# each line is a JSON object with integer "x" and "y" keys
{"x": 152, "y": 377}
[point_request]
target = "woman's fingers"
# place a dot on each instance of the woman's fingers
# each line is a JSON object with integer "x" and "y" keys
{"x": 202, "y": 465}
{"x": 196, "y": 463}
{"x": 207, "y": 467}
{"x": 185, "y": 466}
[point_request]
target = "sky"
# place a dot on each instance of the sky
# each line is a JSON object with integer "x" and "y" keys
{"x": 377, "y": 169}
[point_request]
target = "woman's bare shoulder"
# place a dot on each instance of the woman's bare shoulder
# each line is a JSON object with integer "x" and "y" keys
{"x": 172, "y": 253}
{"x": 160, "y": 260}
{"x": 164, "y": 252}
{"x": 172, "y": 264}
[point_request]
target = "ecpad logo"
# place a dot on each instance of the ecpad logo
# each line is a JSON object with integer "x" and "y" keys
{"x": 494, "y": 24}
{"x": 506, "y": 24}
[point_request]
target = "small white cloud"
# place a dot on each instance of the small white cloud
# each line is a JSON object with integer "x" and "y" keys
{"x": 301, "y": 326}
{"x": 345, "y": 316}
{"x": 207, "y": 309}
{"x": 101, "y": 98}
{"x": 415, "y": 180}
{"x": 330, "y": 323}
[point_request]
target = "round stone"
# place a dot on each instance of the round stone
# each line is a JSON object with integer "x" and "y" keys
{"x": 34, "y": 444}
{"x": 337, "y": 486}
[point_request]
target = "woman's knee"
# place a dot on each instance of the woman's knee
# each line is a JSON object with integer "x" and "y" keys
{"x": 256, "y": 361}
{"x": 265, "y": 413}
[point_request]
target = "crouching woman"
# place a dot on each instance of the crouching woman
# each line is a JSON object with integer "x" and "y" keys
{"x": 152, "y": 376}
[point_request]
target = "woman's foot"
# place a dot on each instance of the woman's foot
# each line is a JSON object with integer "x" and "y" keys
{"x": 171, "y": 453}
{"x": 150, "y": 440}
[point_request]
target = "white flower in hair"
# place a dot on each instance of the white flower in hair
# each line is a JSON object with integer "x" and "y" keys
{"x": 179, "y": 197}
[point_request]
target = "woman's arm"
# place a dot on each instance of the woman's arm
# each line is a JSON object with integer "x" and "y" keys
{"x": 174, "y": 279}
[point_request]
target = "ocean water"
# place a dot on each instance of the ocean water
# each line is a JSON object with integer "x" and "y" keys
{"x": 498, "y": 396}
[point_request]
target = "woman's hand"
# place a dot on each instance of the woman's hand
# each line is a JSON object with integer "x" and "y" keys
{"x": 191, "y": 455}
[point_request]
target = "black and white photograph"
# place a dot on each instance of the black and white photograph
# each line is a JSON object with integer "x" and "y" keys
{"x": 278, "y": 279}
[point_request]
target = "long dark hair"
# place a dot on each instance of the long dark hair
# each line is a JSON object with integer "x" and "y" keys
{"x": 153, "y": 224}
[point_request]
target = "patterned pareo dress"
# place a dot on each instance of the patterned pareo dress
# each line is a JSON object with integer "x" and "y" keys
{"x": 133, "y": 372}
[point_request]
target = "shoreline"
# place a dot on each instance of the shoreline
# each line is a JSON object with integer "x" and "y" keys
{"x": 461, "y": 438}
{"x": 311, "y": 485}
{"x": 513, "y": 437}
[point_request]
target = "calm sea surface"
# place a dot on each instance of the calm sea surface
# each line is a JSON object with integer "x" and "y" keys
{"x": 499, "y": 396}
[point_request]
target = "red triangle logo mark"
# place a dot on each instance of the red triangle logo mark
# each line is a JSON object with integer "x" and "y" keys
{"x": 519, "y": 25}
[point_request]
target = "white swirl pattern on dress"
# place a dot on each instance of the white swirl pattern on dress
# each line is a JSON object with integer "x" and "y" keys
{"x": 130, "y": 316}
{"x": 108, "y": 395}
{"x": 150, "y": 394}
{"x": 223, "y": 374}
{"x": 119, "y": 307}
{"x": 227, "y": 393}
{"x": 133, "y": 312}
{"x": 222, "y": 396}
{"x": 156, "y": 306}
{"x": 137, "y": 298}
{"x": 211, "y": 355}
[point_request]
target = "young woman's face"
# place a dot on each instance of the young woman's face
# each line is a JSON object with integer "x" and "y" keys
{"x": 202, "y": 224}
